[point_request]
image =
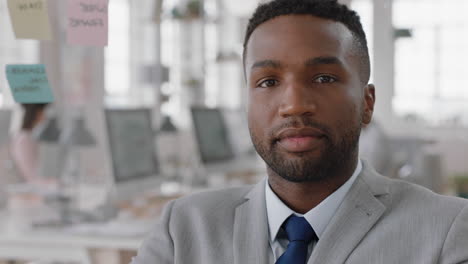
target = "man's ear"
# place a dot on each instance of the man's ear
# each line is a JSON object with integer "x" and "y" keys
{"x": 368, "y": 104}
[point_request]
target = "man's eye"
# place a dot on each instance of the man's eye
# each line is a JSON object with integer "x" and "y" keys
{"x": 325, "y": 79}
{"x": 268, "y": 83}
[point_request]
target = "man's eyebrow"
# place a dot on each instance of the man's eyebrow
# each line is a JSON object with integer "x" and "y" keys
{"x": 266, "y": 64}
{"x": 323, "y": 60}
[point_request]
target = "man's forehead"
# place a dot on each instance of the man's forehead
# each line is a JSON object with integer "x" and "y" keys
{"x": 306, "y": 33}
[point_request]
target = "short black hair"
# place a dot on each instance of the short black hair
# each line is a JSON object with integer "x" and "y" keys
{"x": 31, "y": 113}
{"x": 328, "y": 9}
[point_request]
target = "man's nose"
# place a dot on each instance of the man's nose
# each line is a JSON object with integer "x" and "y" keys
{"x": 297, "y": 100}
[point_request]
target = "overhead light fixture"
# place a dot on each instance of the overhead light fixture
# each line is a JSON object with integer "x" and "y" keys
{"x": 403, "y": 33}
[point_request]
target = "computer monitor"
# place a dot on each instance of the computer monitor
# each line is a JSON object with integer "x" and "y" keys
{"x": 5, "y": 121}
{"x": 211, "y": 135}
{"x": 223, "y": 141}
{"x": 135, "y": 167}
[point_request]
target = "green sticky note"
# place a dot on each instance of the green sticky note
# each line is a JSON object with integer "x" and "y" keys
{"x": 29, "y": 83}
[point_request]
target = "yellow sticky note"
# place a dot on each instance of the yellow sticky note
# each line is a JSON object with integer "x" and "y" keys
{"x": 30, "y": 19}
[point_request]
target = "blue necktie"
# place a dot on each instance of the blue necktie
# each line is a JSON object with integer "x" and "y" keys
{"x": 300, "y": 234}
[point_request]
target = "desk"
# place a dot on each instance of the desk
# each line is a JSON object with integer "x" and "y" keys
{"x": 19, "y": 242}
{"x": 69, "y": 244}
{"x": 60, "y": 247}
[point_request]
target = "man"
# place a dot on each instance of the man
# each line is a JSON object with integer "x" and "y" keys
{"x": 307, "y": 70}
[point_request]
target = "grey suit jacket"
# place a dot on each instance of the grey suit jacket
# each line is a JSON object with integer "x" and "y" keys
{"x": 380, "y": 221}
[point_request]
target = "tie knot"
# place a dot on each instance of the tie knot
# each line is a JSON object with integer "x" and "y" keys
{"x": 298, "y": 229}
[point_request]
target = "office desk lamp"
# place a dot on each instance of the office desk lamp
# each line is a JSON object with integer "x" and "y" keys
{"x": 169, "y": 147}
{"x": 47, "y": 131}
{"x": 74, "y": 135}
{"x": 52, "y": 154}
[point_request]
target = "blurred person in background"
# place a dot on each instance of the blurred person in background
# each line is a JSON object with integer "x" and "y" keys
{"x": 25, "y": 149}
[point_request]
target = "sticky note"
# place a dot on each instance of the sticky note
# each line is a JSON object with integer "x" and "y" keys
{"x": 87, "y": 22}
{"x": 29, "y": 83}
{"x": 30, "y": 19}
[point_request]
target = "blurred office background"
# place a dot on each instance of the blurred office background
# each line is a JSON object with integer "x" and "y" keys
{"x": 176, "y": 65}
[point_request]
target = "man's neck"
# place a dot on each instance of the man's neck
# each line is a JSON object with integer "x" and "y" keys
{"x": 304, "y": 196}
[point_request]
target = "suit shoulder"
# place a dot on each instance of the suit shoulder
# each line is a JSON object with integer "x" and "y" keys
{"x": 413, "y": 194}
{"x": 207, "y": 200}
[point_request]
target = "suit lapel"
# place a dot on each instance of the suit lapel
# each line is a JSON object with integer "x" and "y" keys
{"x": 359, "y": 211}
{"x": 251, "y": 228}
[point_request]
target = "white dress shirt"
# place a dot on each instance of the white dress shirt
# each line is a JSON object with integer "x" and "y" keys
{"x": 318, "y": 217}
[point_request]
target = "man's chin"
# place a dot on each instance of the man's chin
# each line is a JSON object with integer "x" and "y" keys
{"x": 312, "y": 158}
{"x": 310, "y": 170}
{"x": 303, "y": 179}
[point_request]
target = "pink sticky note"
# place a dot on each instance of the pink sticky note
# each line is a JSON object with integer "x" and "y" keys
{"x": 88, "y": 22}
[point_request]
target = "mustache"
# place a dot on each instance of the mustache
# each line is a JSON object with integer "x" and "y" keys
{"x": 299, "y": 123}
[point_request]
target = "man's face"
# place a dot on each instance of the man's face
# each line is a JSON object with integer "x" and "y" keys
{"x": 306, "y": 101}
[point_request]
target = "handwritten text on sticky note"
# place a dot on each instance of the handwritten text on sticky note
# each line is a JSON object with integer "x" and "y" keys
{"x": 88, "y": 22}
{"x": 29, "y": 83}
{"x": 30, "y": 19}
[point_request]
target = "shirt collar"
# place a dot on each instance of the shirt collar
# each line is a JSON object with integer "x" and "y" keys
{"x": 318, "y": 217}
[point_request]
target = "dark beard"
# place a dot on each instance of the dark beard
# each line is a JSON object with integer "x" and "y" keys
{"x": 335, "y": 157}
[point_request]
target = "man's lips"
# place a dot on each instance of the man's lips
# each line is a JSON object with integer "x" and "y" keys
{"x": 299, "y": 139}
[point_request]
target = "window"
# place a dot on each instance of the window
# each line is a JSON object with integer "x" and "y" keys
{"x": 117, "y": 64}
{"x": 431, "y": 80}
{"x": 132, "y": 53}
